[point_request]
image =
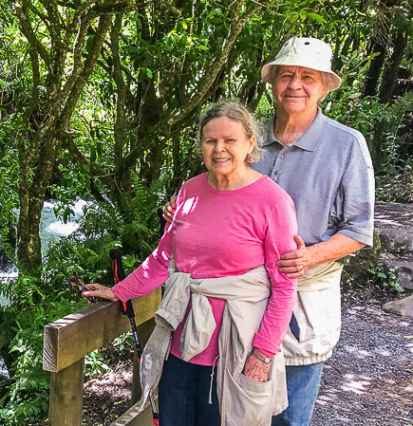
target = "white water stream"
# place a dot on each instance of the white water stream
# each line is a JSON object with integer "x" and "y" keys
{"x": 51, "y": 230}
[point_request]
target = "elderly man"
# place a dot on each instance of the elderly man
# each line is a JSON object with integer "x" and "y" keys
{"x": 326, "y": 168}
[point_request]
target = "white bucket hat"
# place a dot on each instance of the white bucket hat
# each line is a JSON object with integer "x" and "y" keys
{"x": 304, "y": 52}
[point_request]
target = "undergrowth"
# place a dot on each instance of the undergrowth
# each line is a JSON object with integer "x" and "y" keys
{"x": 34, "y": 302}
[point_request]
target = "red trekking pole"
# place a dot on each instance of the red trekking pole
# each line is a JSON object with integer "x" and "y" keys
{"x": 127, "y": 309}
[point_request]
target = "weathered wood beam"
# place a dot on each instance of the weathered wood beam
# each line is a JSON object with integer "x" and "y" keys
{"x": 69, "y": 339}
{"x": 66, "y": 396}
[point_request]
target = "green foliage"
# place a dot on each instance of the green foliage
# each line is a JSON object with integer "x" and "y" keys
{"x": 95, "y": 364}
{"x": 380, "y": 124}
{"x": 360, "y": 269}
{"x": 385, "y": 141}
{"x": 396, "y": 187}
{"x": 70, "y": 183}
{"x": 389, "y": 280}
{"x": 365, "y": 281}
{"x": 98, "y": 361}
{"x": 33, "y": 304}
{"x": 36, "y": 302}
{"x": 103, "y": 228}
{"x": 124, "y": 342}
{"x": 363, "y": 272}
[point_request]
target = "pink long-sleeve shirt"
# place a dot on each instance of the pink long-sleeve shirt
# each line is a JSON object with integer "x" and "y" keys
{"x": 220, "y": 233}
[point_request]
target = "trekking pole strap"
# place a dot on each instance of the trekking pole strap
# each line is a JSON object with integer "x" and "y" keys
{"x": 127, "y": 309}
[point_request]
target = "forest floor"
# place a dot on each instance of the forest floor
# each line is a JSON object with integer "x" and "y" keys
{"x": 368, "y": 381}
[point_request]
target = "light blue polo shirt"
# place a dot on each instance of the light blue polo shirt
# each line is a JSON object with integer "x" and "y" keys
{"x": 329, "y": 174}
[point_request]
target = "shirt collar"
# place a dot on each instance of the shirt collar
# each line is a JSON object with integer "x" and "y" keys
{"x": 308, "y": 141}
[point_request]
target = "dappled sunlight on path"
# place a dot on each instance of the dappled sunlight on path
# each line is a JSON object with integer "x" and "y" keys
{"x": 369, "y": 380}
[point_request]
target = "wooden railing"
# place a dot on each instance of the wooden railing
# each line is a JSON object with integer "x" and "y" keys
{"x": 68, "y": 340}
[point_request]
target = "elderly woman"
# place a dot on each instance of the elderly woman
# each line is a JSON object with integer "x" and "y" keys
{"x": 326, "y": 169}
{"x": 225, "y": 302}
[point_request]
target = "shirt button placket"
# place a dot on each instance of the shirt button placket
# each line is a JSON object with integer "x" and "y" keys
{"x": 275, "y": 175}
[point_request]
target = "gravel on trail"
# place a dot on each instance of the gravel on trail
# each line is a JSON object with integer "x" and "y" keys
{"x": 369, "y": 379}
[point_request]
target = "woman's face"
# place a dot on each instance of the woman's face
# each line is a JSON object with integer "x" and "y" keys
{"x": 298, "y": 89}
{"x": 225, "y": 146}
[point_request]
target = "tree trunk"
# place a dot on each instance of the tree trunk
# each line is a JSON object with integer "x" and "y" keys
{"x": 28, "y": 238}
{"x": 390, "y": 75}
{"x": 39, "y": 140}
{"x": 376, "y": 65}
{"x": 176, "y": 167}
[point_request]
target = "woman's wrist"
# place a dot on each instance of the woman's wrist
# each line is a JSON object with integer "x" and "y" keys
{"x": 261, "y": 356}
{"x": 114, "y": 297}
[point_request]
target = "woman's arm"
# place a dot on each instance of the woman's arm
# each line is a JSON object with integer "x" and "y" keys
{"x": 279, "y": 239}
{"x": 281, "y": 227}
{"x": 152, "y": 273}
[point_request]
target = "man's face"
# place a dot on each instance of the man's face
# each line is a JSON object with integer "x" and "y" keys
{"x": 298, "y": 89}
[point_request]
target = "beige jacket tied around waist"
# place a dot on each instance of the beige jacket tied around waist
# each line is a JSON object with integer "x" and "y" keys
{"x": 318, "y": 314}
{"x": 243, "y": 402}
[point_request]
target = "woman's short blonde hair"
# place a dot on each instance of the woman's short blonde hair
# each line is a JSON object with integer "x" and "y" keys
{"x": 235, "y": 111}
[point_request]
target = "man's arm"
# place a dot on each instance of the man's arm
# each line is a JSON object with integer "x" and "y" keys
{"x": 295, "y": 263}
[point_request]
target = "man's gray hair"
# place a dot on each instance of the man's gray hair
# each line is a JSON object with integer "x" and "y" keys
{"x": 235, "y": 111}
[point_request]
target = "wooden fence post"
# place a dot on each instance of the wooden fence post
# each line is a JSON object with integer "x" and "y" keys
{"x": 66, "y": 396}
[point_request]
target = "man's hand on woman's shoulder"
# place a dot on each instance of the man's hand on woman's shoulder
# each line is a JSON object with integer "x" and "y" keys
{"x": 169, "y": 209}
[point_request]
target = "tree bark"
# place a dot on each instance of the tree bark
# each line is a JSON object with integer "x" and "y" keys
{"x": 391, "y": 73}
{"x": 376, "y": 65}
{"x": 122, "y": 185}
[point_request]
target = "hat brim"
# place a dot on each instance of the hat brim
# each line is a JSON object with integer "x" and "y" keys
{"x": 333, "y": 80}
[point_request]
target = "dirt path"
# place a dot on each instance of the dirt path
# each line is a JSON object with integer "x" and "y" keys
{"x": 369, "y": 380}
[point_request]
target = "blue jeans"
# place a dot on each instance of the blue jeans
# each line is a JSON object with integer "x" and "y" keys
{"x": 184, "y": 392}
{"x": 303, "y": 383}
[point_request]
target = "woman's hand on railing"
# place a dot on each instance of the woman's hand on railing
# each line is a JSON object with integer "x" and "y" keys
{"x": 98, "y": 290}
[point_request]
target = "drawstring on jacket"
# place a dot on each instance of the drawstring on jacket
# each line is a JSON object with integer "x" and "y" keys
{"x": 212, "y": 380}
